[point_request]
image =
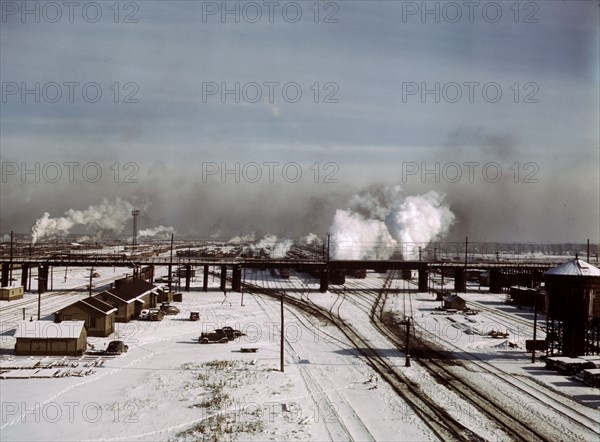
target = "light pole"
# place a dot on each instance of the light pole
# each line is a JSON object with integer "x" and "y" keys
{"x": 282, "y": 336}
{"x": 135, "y": 214}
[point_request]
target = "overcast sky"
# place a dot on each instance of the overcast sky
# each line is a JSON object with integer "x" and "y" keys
{"x": 365, "y": 63}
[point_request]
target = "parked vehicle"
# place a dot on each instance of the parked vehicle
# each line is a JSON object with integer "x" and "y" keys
{"x": 220, "y": 335}
{"x": 116, "y": 348}
{"x": 152, "y": 314}
{"x": 194, "y": 316}
{"x": 213, "y": 338}
{"x": 230, "y": 333}
{"x": 498, "y": 334}
{"x": 169, "y": 309}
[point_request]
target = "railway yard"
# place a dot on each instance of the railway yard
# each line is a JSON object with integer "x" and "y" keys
{"x": 346, "y": 375}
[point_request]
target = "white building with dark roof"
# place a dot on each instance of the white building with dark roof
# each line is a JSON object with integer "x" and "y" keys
{"x": 47, "y": 338}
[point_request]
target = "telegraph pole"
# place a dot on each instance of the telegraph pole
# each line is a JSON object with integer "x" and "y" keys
{"x": 171, "y": 264}
{"x": 407, "y": 362}
{"x": 282, "y": 336}
{"x": 91, "y": 276}
{"x": 135, "y": 214}
{"x": 588, "y": 247}
{"x": 10, "y": 266}
{"x": 534, "y": 327}
{"x": 242, "y": 288}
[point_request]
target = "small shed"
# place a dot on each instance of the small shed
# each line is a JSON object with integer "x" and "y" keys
{"x": 454, "y": 302}
{"x": 47, "y": 338}
{"x": 98, "y": 315}
{"x": 9, "y": 293}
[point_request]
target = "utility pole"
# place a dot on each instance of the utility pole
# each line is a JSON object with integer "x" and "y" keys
{"x": 588, "y": 247}
{"x": 407, "y": 351}
{"x": 171, "y": 264}
{"x": 135, "y": 214}
{"x": 534, "y": 328}
{"x": 282, "y": 336}
{"x": 91, "y": 276}
{"x": 466, "y": 250}
{"x": 40, "y": 286}
{"x": 10, "y": 266}
{"x": 328, "y": 244}
{"x": 242, "y": 288}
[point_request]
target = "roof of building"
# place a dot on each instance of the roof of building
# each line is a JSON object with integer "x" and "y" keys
{"x": 93, "y": 304}
{"x": 132, "y": 290}
{"x": 575, "y": 267}
{"x": 106, "y": 293}
{"x": 49, "y": 329}
{"x": 99, "y": 304}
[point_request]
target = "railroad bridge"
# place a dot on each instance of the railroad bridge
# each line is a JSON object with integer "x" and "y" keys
{"x": 502, "y": 274}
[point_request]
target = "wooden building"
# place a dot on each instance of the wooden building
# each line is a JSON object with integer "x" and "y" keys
{"x": 47, "y": 338}
{"x": 99, "y": 316}
{"x": 130, "y": 298}
{"x": 9, "y": 293}
{"x": 455, "y": 302}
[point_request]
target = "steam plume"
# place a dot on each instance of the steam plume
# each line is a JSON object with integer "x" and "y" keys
{"x": 382, "y": 219}
{"x": 159, "y": 231}
{"x": 105, "y": 217}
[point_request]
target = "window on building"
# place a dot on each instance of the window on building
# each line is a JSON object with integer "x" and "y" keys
{"x": 92, "y": 321}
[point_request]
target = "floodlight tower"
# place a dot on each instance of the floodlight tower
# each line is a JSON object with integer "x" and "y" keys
{"x": 135, "y": 214}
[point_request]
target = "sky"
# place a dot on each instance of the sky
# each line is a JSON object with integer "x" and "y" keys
{"x": 225, "y": 118}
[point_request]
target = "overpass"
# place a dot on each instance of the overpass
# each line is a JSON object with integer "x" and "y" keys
{"x": 502, "y": 273}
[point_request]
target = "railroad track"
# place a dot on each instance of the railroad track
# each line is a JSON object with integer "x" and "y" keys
{"x": 437, "y": 419}
{"x": 512, "y": 318}
{"x": 503, "y": 419}
{"x": 334, "y": 423}
{"x": 483, "y": 400}
{"x": 497, "y": 412}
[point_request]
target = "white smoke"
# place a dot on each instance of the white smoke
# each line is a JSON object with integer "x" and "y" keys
{"x": 269, "y": 246}
{"x": 383, "y": 221}
{"x": 420, "y": 219}
{"x": 312, "y": 239}
{"x": 6, "y": 237}
{"x": 354, "y": 237}
{"x": 161, "y": 231}
{"x": 242, "y": 239}
{"x": 106, "y": 217}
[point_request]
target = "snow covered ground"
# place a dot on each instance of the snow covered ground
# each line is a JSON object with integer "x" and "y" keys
{"x": 170, "y": 387}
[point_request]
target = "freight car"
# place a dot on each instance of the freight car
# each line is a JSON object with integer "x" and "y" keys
{"x": 358, "y": 273}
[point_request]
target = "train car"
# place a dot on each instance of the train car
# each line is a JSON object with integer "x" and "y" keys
{"x": 358, "y": 273}
{"x": 337, "y": 277}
